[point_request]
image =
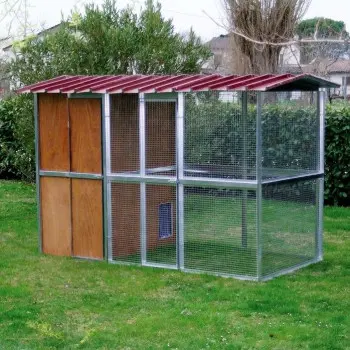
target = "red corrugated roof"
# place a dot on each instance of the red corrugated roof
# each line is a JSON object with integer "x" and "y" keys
{"x": 119, "y": 84}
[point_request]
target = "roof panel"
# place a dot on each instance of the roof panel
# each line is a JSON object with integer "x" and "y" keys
{"x": 29, "y": 88}
{"x": 136, "y": 85}
{"x": 102, "y": 85}
{"x": 84, "y": 85}
{"x": 56, "y": 84}
{"x": 180, "y": 83}
{"x": 68, "y": 84}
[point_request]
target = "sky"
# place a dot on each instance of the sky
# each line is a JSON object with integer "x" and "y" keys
{"x": 185, "y": 13}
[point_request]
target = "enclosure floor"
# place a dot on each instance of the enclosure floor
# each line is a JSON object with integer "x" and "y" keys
{"x": 220, "y": 259}
{"x": 213, "y": 236}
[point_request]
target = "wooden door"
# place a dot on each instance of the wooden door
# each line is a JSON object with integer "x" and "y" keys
{"x": 86, "y": 157}
{"x": 71, "y": 209}
{"x": 56, "y": 215}
{"x": 54, "y": 132}
{"x": 87, "y": 223}
{"x": 85, "y": 135}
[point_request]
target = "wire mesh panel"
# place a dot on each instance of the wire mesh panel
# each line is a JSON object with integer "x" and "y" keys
{"x": 160, "y": 138}
{"x": 220, "y": 138}
{"x": 124, "y": 133}
{"x": 289, "y": 223}
{"x": 289, "y": 134}
{"x": 161, "y": 224}
{"x": 125, "y": 216}
{"x": 220, "y": 231}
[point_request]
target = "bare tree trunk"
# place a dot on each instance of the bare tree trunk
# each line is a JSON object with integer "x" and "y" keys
{"x": 262, "y": 21}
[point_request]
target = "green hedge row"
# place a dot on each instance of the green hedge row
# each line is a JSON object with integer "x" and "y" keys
{"x": 17, "y": 148}
{"x": 213, "y": 130}
{"x": 337, "y": 154}
{"x": 289, "y": 137}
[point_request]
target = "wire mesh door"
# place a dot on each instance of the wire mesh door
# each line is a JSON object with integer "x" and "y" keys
{"x": 160, "y": 240}
{"x": 161, "y": 225}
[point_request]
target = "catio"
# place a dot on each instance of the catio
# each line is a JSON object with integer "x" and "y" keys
{"x": 202, "y": 173}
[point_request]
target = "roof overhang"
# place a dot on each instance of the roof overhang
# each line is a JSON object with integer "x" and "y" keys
{"x": 131, "y": 84}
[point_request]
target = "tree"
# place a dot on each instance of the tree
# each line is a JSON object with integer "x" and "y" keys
{"x": 108, "y": 40}
{"x": 14, "y": 13}
{"x": 325, "y": 28}
{"x": 322, "y": 28}
{"x": 259, "y": 30}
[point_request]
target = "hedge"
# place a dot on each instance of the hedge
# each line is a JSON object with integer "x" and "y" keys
{"x": 17, "y": 158}
{"x": 337, "y": 154}
{"x": 214, "y": 129}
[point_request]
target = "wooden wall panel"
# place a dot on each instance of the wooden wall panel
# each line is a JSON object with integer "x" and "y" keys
{"x": 85, "y": 124}
{"x": 87, "y": 218}
{"x": 124, "y": 133}
{"x": 54, "y": 132}
{"x": 160, "y": 134}
{"x": 56, "y": 215}
{"x": 125, "y": 219}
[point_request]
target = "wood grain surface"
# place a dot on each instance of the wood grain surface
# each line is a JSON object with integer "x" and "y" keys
{"x": 54, "y": 132}
{"x": 87, "y": 218}
{"x": 56, "y": 215}
{"x": 85, "y": 135}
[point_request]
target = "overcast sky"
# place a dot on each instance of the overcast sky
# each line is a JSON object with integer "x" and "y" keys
{"x": 185, "y": 13}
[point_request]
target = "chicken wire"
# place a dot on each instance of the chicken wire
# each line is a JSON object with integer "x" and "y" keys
{"x": 220, "y": 138}
{"x": 214, "y": 231}
{"x": 289, "y": 134}
{"x": 289, "y": 225}
{"x": 124, "y": 130}
{"x": 248, "y": 224}
{"x": 161, "y": 224}
{"x": 125, "y": 222}
{"x": 160, "y": 138}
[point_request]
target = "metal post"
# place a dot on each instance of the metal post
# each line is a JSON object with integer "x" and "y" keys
{"x": 321, "y": 119}
{"x": 180, "y": 176}
{"x": 107, "y": 200}
{"x": 320, "y": 182}
{"x": 244, "y": 170}
{"x": 259, "y": 240}
{"x": 37, "y": 169}
{"x": 142, "y": 155}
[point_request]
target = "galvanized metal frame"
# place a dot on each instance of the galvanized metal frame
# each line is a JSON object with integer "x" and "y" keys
{"x": 287, "y": 270}
{"x": 72, "y": 175}
{"x": 180, "y": 192}
{"x": 37, "y": 170}
{"x": 321, "y": 102}
{"x": 244, "y": 192}
{"x": 259, "y": 233}
{"x": 106, "y": 161}
{"x": 142, "y": 157}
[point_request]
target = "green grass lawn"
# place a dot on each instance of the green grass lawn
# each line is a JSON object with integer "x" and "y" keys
{"x": 61, "y": 303}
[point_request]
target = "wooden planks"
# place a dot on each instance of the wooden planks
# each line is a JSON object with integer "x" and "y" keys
{"x": 85, "y": 124}
{"x": 125, "y": 201}
{"x": 54, "y": 132}
{"x": 87, "y": 221}
{"x": 71, "y": 209}
{"x": 56, "y": 215}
